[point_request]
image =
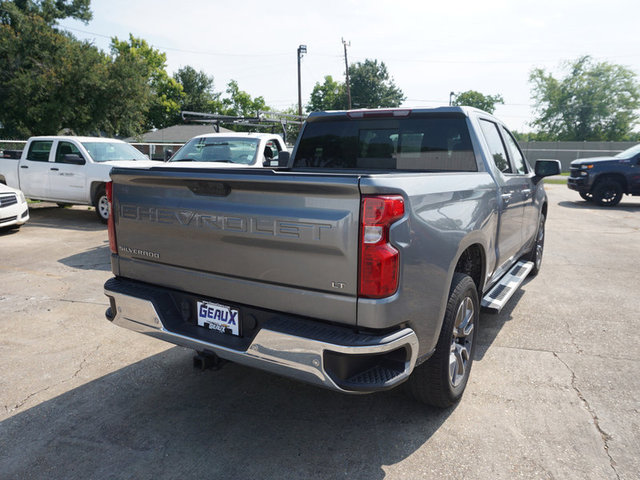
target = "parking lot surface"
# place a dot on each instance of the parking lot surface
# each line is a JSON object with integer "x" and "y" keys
{"x": 554, "y": 392}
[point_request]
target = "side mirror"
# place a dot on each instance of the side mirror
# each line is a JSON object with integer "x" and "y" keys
{"x": 546, "y": 168}
{"x": 168, "y": 154}
{"x": 73, "y": 159}
{"x": 283, "y": 158}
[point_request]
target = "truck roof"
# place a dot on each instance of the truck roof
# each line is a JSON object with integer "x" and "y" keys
{"x": 75, "y": 137}
{"x": 399, "y": 111}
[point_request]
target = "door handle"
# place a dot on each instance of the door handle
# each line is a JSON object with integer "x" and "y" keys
{"x": 55, "y": 169}
{"x": 23, "y": 166}
{"x": 506, "y": 196}
{"x": 526, "y": 191}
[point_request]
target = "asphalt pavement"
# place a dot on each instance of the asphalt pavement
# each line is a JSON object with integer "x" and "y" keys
{"x": 554, "y": 391}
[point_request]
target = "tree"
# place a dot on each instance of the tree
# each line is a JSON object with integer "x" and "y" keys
{"x": 472, "y": 98}
{"x": 329, "y": 95}
{"x": 166, "y": 92}
{"x": 371, "y": 86}
{"x": 48, "y": 80}
{"x": 594, "y": 101}
{"x": 239, "y": 103}
{"x": 50, "y": 11}
{"x": 198, "y": 91}
{"x": 127, "y": 97}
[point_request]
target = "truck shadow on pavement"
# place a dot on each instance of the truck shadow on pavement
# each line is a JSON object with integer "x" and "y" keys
{"x": 160, "y": 418}
{"x": 492, "y": 323}
{"x": 625, "y": 206}
{"x": 97, "y": 258}
{"x": 48, "y": 215}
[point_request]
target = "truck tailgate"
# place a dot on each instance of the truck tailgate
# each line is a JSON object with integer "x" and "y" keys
{"x": 285, "y": 241}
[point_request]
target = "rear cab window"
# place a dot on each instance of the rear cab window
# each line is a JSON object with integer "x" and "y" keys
{"x": 39, "y": 150}
{"x": 434, "y": 142}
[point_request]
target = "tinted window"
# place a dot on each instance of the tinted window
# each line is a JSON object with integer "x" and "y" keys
{"x": 514, "y": 152}
{"x": 39, "y": 150}
{"x": 65, "y": 148}
{"x": 434, "y": 143}
{"x": 271, "y": 150}
{"x": 496, "y": 147}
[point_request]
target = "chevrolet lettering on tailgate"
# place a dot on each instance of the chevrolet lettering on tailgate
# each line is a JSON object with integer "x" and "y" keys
{"x": 234, "y": 223}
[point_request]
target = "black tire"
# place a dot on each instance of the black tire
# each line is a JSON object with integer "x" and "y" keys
{"x": 435, "y": 382}
{"x": 588, "y": 196}
{"x": 535, "y": 254}
{"x": 101, "y": 203}
{"x": 607, "y": 193}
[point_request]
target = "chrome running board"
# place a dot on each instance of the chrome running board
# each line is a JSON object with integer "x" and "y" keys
{"x": 500, "y": 294}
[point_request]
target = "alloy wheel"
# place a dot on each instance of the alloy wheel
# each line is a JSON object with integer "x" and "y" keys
{"x": 460, "y": 354}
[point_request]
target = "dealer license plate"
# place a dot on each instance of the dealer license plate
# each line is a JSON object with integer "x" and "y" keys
{"x": 221, "y": 318}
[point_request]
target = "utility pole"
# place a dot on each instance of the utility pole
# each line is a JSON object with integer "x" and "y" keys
{"x": 346, "y": 66}
{"x": 302, "y": 49}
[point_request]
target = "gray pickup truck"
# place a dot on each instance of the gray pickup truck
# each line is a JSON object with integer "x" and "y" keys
{"x": 360, "y": 263}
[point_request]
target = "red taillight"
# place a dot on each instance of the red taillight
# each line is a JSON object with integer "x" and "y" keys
{"x": 379, "y": 264}
{"x": 113, "y": 245}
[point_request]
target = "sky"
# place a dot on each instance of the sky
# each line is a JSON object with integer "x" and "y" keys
{"x": 430, "y": 48}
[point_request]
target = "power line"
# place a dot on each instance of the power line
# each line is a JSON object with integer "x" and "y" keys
{"x": 447, "y": 101}
{"x": 491, "y": 62}
{"x": 195, "y": 52}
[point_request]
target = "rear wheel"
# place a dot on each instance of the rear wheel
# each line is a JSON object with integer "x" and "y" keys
{"x": 101, "y": 203}
{"x": 607, "y": 193}
{"x": 441, "y": 380}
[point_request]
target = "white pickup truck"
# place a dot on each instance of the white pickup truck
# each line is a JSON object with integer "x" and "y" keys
{"x": 69, "y": 170}
{"x": 230, "y": 150}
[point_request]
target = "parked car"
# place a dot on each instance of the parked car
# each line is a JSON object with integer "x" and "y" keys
{"x": 604, "y": 180}
{"x": 361, "y": 265}
{"x": 69, "y": 170}
{"x": 14, "y": 211}
{"x": 231, "y": 150}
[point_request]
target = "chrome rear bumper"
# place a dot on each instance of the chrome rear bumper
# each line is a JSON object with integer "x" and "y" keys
{"x": 332, "y": 357}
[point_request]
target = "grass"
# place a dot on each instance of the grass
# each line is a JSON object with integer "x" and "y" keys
{"x": 557, "y": 181}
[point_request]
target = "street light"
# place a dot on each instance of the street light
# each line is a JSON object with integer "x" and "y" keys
{"x": 302, "y": 49}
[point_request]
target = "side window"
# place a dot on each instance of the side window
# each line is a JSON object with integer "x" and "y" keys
{"x": 39, "y": 150}
{"x": 496, "y": 147}
{"x": 514, "y": 152}
{"x": 271, "y": 151}
{"x": 65, "y": 148}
